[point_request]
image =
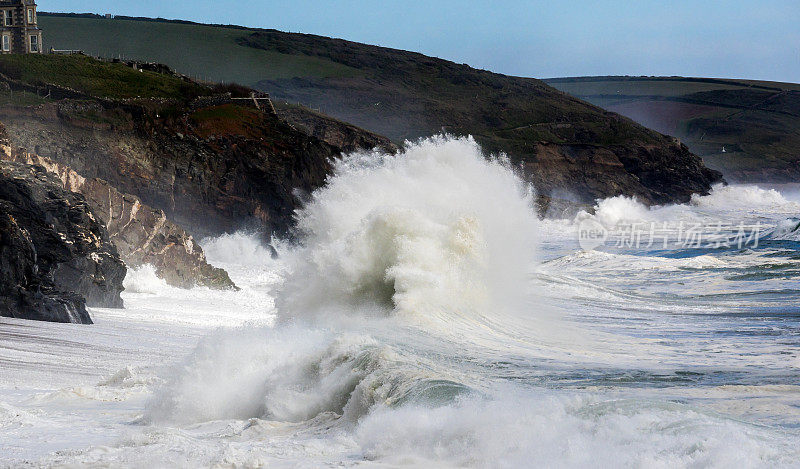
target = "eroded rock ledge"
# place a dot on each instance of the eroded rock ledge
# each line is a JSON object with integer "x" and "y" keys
{"x": 141, "y": 234}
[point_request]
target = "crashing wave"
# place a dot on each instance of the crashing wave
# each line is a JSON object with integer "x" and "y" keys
{"x": 436, "y": 231}
{"x": 786, "y": 230}
{"x": 436, "y": 235}
{"x": 745, "y": 197}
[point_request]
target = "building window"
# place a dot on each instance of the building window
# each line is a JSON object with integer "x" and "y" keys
{"x": 34, "y": 43}
{"x": 9, "y": 17}
{"x": 6, "y": 43}
{"x": 30, "y": 16}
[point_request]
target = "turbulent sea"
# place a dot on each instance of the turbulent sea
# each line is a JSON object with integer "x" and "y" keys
{"x": 428, "y": 318}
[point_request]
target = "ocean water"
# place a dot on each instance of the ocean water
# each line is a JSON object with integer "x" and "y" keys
{"x": 428, "y": 318}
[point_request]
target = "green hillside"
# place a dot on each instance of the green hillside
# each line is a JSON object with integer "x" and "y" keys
{"x": 757, "y": 123}
{"x": 95, "y": 78}
{"x": 565, "y": 146}
{"x": 396, "y": 93}
{"x": 200, "y": 51}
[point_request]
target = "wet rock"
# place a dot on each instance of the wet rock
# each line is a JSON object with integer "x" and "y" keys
{"x": 55, "y": 257}
{"x": 141, "y": 234}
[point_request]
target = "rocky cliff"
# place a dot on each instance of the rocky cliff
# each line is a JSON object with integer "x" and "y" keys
{"x": 211, "y": 170}
{"x": 55, "y": 257}
{"x": 215, "y": 166}
{"x": 407, "y": 95}
{"x": 141, "y": 234}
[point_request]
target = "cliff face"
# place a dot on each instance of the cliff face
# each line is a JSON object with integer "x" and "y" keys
{"x": 655, "y": 174}
{"x": 212, "y": 165}
{"x": 211, "y": 170}
{"x": 406, "y": 95}
{"x": 215, "y": 166}
{"x": 141, "y": 234}
{"x": 55, "y": 257}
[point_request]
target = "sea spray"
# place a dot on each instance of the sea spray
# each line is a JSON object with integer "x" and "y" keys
{"x": 436, "y": 242}
{"x": 290, "y": 373}
{"x": 723, "y": 200}
{"x": 622, "y": 209}
{"x": 437, "y": 236}
{"x": 143, "y": 279}
{"x": 745, "y": 198}
{"x": 241, "y": 249}
{"x": 433, "y": 232}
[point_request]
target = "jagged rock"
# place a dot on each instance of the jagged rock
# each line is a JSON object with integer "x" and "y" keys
{"x": 654, "y": 174}
{"x": 141, "y": 234}
{"x": 55, "y": 257}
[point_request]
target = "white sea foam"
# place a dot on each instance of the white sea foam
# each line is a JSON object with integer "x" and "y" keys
{"x": 746, "y": 198}
{"x": 435, "y": 231}
{"x": 566, "y": 431}
{"x": 787, "y": 230}
{"x": 721, "y": 201}
{"x": 412, "y": 333}
{"x": 143, "y": 279}
{"x": 240, "y": 249}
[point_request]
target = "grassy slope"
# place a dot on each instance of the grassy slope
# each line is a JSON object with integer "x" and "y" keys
{"x": 407, "y": 95}
{"x": 757, "y": 122}
{"x": 199, "y": 51}
{"x": 231, "y": 54}
{"x": 93, "y": 77}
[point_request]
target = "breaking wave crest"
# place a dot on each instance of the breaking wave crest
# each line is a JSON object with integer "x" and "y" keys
{"x": 745, "y": 197}
{"x": 741, "y": 199}
{"x": 787, "y": 230}
{"x": 391, "y": 313}
{"x": 435, "y": 231}
{"x": 433, "y": 237}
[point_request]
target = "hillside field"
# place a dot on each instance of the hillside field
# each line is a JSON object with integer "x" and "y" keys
{"x": 749, "y": 130}
{"x": 203, "y": 52}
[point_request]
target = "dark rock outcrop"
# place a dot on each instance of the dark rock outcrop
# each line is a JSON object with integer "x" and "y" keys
{"x": 211, "y": 171}
{"x": 141, "y": 234}
{"x": 55, "y": 257}
{"x": 655, "y": 174}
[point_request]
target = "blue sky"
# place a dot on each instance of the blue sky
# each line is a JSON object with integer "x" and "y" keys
{"x": 734, "y": 38}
